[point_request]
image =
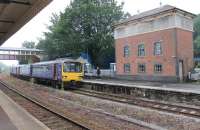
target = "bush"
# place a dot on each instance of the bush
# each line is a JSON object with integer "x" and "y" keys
{"x": 198, "y": 65}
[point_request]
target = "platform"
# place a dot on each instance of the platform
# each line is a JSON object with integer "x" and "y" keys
{"x": 173, "y": 87}
{"x": 14, "y": 117}
{"x": 5, "y": 123}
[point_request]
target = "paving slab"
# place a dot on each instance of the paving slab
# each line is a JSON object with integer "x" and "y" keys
{"x": 5, "y": 122}
{"x": 174, "y": 87}
{"x": 16, "y": 117}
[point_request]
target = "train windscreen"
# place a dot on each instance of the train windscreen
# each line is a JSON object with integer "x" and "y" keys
{"x": 72, "y": 67}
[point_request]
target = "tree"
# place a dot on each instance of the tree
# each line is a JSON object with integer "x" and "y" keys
{"x": 28, "y": 44}
{"x": 85, "y": 26}
{"x": 196, "y": 36}
{"x": 197, "y": 45}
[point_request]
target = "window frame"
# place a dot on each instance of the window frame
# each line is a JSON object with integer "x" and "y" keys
{"x": 125, "y": 70}
{"x": 126, "y": 51}
{"x": 140, "y": 50}
{"x": 156, "y": 70}
{"x": 68, "y": 68}
{"x": 155, "y": 48}
{"x": 139, "y": 70}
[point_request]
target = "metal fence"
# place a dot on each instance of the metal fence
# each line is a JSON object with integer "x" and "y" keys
{"x": 104, "y": 73}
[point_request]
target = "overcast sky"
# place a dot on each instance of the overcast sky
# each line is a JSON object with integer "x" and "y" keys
{"x": 35, "y": 28}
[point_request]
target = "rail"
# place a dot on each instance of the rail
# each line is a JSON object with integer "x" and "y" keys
{"x": 51, "y": 110}
{"x": 162, "y": 106}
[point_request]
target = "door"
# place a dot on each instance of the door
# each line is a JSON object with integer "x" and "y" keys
{"x": 181, "y": 75}
{"x": 59, "y": 71}
{"x": 55, "y": 71}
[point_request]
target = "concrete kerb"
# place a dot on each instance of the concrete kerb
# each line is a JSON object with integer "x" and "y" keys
{"x": 19, "y": 116}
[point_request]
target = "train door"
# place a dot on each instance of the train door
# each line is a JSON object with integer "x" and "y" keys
{"x": 55, "y": 73}
{"x": 18, "y": 71}
{"x": 59, "y": 71}
{"x": 31, "y": 70}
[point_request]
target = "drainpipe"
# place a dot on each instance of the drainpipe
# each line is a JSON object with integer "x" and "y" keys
{"x": 176, "y": 51}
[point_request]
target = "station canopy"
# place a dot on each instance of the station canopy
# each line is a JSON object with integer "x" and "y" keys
{"x": 16, "y": 13}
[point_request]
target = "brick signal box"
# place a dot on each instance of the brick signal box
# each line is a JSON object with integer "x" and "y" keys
{"x": 155, "y": 45}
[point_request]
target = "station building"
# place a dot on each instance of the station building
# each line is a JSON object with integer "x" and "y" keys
{"x": 155, "y": 45}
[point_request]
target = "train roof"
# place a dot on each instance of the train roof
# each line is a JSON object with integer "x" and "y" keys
{"x": 61, "y": 60}
{"x": 57, "y": 61}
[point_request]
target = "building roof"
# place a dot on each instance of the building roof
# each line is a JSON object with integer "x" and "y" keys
{"x": 154, "y": 12}
{"x": 18, "y": 49}
{"x": 16, "y": 13}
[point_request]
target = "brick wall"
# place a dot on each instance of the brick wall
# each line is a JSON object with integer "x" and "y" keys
{"x": 168, "y": 38}
{"x": 185, "y": 49}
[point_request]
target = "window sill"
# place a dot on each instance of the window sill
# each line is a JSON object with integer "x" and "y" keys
{"x": 158, "y": 73}
{"x": 141, "y": 73}
{"x": 141, "y": 56}
{"x": 157, "y": 55}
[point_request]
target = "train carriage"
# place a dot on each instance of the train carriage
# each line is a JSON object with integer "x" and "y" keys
{"x": 15, "y": 70}
{"x": 72, "y": 71}
{"x": 25, "y": 70}
{"x": 43, "y": 70}
{"x": 60, "y": 71}
{"x": 12, "y": 70}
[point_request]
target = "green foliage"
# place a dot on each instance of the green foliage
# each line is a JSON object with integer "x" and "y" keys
{"x": 196, "y": 26}
{"x": 197, "y": 44}
{"x": 198, "y": 65}
{"x": 85, "y": 26}
{"x": 196, "y": 35}
{"x": 28, "y": 44}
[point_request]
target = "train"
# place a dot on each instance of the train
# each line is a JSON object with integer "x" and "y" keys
{"x": 59, "y": 72}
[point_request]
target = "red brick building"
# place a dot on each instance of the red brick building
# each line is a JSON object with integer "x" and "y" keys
{"x": 156, "y": 45}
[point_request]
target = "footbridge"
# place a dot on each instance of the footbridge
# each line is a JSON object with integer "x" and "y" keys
{"x": 21, "y": 54}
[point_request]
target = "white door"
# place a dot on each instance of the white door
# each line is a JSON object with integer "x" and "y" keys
{"x": 181, "y": 70}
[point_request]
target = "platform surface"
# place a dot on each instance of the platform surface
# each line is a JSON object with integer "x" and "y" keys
{"x": 5, "y": 123}
{"x": 14, "y": 117}
{"x": 174, "y": 87}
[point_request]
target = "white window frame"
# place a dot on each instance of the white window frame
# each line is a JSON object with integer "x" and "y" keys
{"x": 141, "y": 49}
{"x": 127, "y": 70}
{"x": 158, "y": 49}
{"x": 158, "y": 68}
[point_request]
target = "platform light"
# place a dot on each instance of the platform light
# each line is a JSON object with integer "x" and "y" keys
{"x": 14, "y": 1}
{"x": 5, "y": 1}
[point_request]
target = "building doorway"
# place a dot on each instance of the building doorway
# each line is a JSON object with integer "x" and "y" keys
{"x": 181, "y": 73}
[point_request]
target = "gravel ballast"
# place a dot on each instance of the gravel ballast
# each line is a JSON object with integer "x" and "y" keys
{"x": 156, "y": 119}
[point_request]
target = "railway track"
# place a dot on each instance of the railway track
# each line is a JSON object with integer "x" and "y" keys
{"x": 161, "y": 106}
{"x": 50, "y": 118}
{"x": 54, "y": 123}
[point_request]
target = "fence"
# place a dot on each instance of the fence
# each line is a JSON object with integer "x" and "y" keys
{"x": 104, "y": 73}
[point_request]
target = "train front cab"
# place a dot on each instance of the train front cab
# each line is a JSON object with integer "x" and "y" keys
{"x": 72, "y": 73}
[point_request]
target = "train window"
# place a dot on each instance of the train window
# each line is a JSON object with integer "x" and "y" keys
{"x": 72, "y": 67}
{"x": 49, "y": 68}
